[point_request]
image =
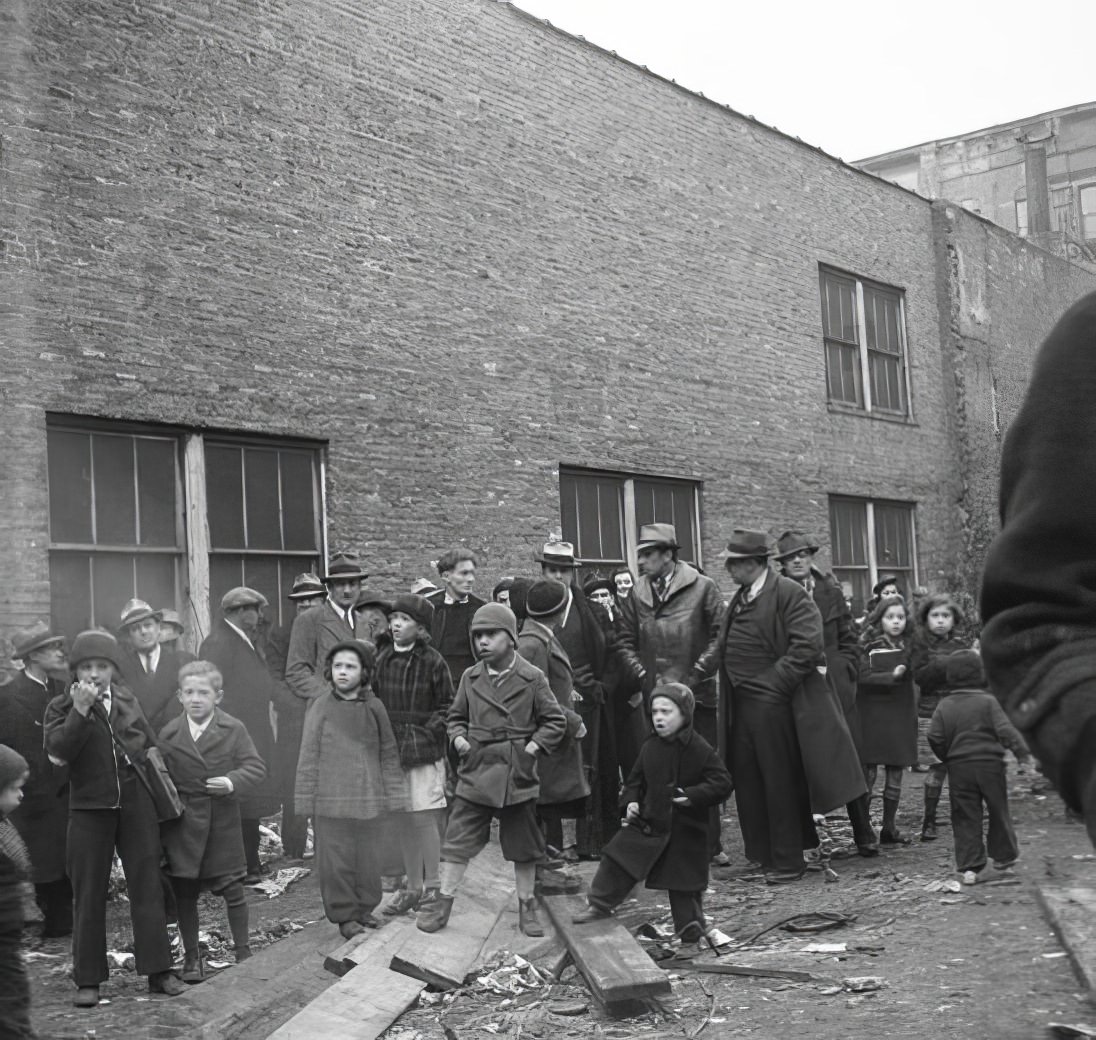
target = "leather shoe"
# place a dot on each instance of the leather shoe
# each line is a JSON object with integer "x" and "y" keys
{"x": 166, "y": 982}
{"x": 433, "y": 917}
{"x": 348, "y": 929}
{"x": 87, "y": 996}
{"x": 243, "y": 953}
{"x": 591, "y": 913}
{"x": 783, "y": 877}
{"x": 192, "y": 968}
{"x": 557, "y": 883}
{"x": 528, "y": 921}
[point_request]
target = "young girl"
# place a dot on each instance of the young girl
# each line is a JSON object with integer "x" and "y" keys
{"x": 15, "y": 872}
{"x": 937, "y": 639}
{"x": 675, "y": 780}
{"x": 213, "y": 761}
{"x": 348, "y": 778}
{"x": 887, "y": 706}
{"x": 412, "y": 681}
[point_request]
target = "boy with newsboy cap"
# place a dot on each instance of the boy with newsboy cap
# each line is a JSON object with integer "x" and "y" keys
{"x": 503, "y": 718}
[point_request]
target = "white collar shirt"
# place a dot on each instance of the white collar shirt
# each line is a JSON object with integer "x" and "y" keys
{"x": 241, "y": 633}
{"x": 197, "y": 730}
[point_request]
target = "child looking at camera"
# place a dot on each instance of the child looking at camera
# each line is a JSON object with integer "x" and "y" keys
{"x": 212, "y": 760}
{"x": 15, "y": 872}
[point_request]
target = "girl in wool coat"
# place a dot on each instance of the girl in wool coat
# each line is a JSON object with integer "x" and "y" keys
{"x": 348, "y": 779}
{"x": 887, "y": 704}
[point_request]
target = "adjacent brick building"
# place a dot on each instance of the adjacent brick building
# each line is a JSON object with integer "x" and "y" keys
{"x": 412, "y": 273}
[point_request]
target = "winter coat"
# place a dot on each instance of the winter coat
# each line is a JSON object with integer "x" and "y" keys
{"x": 670, "y": 846}
{"x": 887, "y": 707}
{"x": 970, "y": 726}
{"x": 84, "y": 742}
{"x": 206, "y": 841}
{"x": 792, "y": 628}
{"x": 499, "y": 721}
{"x": 929, "y": 664}
{"x": 562, "y": 774}
{"x": 839, "y": 637}
{"x": 675, "y": 640}
{"x": 350, "y": 766}
{"x": 248, "y": 687}
{"x": 416, "y": 690}
{"x": 449, "y": 632}
{"x": 583, "y": 640}
{"x": 289, "y": 712}
{"x": 313, "y": 635}
{"x": 155, "y": 693}
{"x": 42, "y": 818}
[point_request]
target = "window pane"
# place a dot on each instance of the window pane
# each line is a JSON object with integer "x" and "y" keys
{"x": 839, "y": 307}
{"x": 115, "y": 500}
{"x": 590, "y": 512}
{"x": 886, "y": 382}
{"x": 156, "y": 490}
{"x": 848, "y": 533}
{"x": 69, "y": 456}
{"x": 668, "y": 503}
{"x": 894, "y": 537}
{"x": 860, "y": 583}
{"x": 156, "y": 580}
{"x": 299, "y": 500}
{"x": 113, "y": 585}
{"x": 225, "y": 572}
{"x": 70, "y": 592}
{"x": 262, "y": 574}
{"x": 843, "y": 373}
{"x": 1088, "y": 212}
{"x": 264, "y": 520}
{"x": 225, "y": 500}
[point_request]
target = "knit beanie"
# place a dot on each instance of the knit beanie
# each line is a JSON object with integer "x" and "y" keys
{"x": 939, "y": 599}
{"x": 494, "y": 616}
{"x": 367, "y": 654}
{"x": 417, "y": 608}
{"x": 965, "y": 671}
{"x": 546, "y": 597}
{"x": 94, "y": 643}
{"x": 13, "y": 766}
{"x": 680, "y": 694}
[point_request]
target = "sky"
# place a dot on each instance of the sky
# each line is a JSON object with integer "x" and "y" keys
{"x": 854, "y": 77}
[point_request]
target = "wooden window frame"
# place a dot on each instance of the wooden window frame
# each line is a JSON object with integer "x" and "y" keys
{"x": 873, "y": 568}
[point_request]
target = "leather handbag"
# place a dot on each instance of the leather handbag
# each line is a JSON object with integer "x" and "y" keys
{"x": 153, "y": 774}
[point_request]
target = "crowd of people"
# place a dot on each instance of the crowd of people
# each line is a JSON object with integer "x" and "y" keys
{"x": 397, "y": 728}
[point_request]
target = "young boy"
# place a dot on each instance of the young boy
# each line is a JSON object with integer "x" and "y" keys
{"x": 15, "y": 872}
{"x": 503, "y": 718}
{"x": 675, "y": 781}
{"x": 969, "y": 733}
{"x": 412, "y": 681}
{"x": 213, "y": 761}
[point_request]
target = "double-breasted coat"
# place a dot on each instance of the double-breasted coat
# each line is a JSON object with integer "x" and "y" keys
{"x": 206, "y": 841}
{"x": 562, "y": 774}
{"x": 42, "y": 818}
{"x": 670, "y": 847}
{"x": 248, "y": 689}
{"x": 156, "y": 691}
{"x": 499, "y": 721}
{"x": 791, "y": 628}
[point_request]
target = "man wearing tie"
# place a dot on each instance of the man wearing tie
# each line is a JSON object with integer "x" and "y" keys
{"x": 149, "y": 668}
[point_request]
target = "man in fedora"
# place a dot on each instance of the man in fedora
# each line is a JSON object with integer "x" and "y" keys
{"x": 149, "y": 668}
{"x": 668, "y": 631}
{"x": 795, "y": 553}
{"x": 308, "y": 593}
{"x": 42, "y": 818}
{"x": 789, "y": 748}
{"x": 315, "y": 632}
{"x": 248, "y": 693}
{"x": 454, "y": 605}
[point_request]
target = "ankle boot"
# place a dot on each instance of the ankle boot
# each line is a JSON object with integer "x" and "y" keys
{"x": 928, "y": 824}
{"x": 433, "y": 917}
{"x": 528, "y": 921}
{"x": 890, "y": 835}
{"x": 192, "y": 968}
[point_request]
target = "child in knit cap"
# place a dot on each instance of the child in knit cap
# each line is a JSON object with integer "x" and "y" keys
{"x": 15, "y": 870}
{"x": 664, "y": 842}
{"x": 969, "y": 733}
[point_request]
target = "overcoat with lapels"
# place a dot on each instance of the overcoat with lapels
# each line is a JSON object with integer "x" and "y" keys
{"x": 206, "y": 841}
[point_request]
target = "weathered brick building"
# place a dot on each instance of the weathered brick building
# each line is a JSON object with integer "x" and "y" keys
{"x": 412, "y": 273}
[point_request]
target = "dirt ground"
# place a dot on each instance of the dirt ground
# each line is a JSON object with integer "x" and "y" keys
{"x": 981, "y": 962}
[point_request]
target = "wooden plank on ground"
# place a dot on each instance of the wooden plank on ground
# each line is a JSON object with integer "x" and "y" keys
{"x": 1071, "y": 909}
{"x": 444, "y": 958}
{"x": 614, "y": 965}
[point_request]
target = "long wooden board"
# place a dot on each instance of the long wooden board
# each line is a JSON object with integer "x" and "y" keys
{"x": 614, "y": 965}
{"x": 1071, "y": 909}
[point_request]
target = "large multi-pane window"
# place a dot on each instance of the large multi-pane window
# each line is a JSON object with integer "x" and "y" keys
{"x": 601, "y": 514}
{"x": 869, "y": 539}
{"x": 864, "y": 331}
{"x": 176, "y": 518}
{"x": 1088, "y": 212}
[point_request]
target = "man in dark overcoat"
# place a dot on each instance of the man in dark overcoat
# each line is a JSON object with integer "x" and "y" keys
{"x": 454, "y": 606}
{"x": 308, "y": 593}
{"x": 795, "y": 553}
{"x": 790, "y": 751}
{"x": 150, "y": 668}
{"x": 42, "y": 818}
{"x": 248, "y": 692}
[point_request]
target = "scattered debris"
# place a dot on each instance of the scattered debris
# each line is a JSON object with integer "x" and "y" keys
{"x": 825, "y": 948}
{"x": 950, "y": 885}
{"x": 121, "y": 959}
{"x": 509, "y": 974}
{"x": 275, "y": 885}
{"x": 570, "y": 1010}
{"x": 864, "y": 984}
{"x": 819, "y": 921}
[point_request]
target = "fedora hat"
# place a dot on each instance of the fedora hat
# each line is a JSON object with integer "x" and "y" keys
{"x": 373, "y": 599}
{"x": 657, "y": 536}
{"x": 307, "y": 586}
{"x": 557, "y": 554}
{"x": 423, "y": 586}
{"x": 345, "y": 566}
{"x": 792, "y": 542}
{"x": 746, "y": 544}
{"x": 27, "y": 640}
{"x": 138, "y": 610}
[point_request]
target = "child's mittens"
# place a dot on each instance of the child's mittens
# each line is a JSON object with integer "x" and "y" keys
{"x": 461, "y": 746}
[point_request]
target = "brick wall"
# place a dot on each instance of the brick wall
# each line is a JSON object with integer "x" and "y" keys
{"x": 457, "y": 245}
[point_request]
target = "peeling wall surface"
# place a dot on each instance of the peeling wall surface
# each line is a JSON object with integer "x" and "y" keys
{"x": 462, "y": 249}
